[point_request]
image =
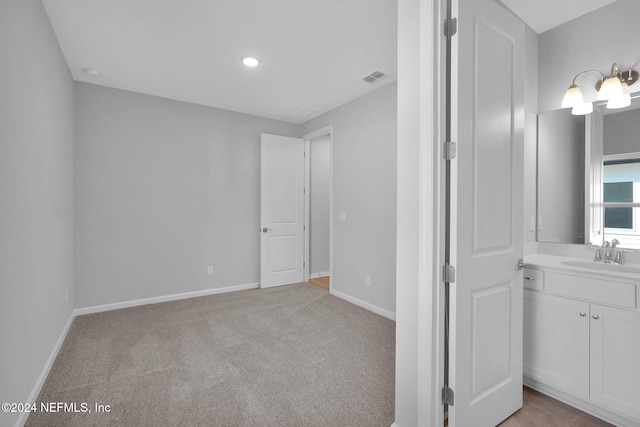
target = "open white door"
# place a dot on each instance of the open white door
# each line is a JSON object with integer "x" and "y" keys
{"x": 486, "y": 207}
{"x": 281, "y": 210}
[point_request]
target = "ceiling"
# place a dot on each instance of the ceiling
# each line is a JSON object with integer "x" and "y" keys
{"x": 543, "y": 15}
{"x": 313, "y": 53}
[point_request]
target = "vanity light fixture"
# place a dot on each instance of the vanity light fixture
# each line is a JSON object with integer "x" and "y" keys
{"x": 620, "y": 101}
{"x": 582, "y": 109}
{"x": 613, "y": 89}
{"x": 612, "y": 86}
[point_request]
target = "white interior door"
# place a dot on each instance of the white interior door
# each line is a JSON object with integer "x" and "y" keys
{"x": 281, "y": 210}
{"x": 487, "y": 184}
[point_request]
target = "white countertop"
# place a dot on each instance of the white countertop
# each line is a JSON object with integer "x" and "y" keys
{"x": 557, "y": 262}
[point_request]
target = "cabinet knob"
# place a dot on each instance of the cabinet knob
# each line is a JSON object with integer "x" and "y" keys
{"x": 595, "y": 316}
{"x": 582, "y": 314}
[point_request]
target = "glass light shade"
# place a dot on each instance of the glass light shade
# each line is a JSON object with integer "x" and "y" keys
{"x": 619, "y": 101}
{"x": 582, "y": 109}
{"x": 610, "y": 88}
{"x": 572, "y": 97}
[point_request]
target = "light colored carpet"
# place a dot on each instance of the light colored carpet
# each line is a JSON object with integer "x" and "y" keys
{"x": 286, "y": 356}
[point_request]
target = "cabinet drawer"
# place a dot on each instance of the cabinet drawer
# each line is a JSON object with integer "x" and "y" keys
{"x": 533, "y": 279}
{"x": 597, "y": 290}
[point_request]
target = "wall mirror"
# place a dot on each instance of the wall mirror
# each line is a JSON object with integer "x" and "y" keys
{"x": 588, "y": 176}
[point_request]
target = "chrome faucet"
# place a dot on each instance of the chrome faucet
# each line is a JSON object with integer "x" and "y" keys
{"x": 618, "y": 257}
{"x": 607, "y": 252}
{"x": 598, "y": 257}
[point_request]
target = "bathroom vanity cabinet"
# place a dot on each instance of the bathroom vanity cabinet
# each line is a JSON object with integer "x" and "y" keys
{"x": 582, "y": 340}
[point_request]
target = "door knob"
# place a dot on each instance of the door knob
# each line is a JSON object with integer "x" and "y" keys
{"x": 595, "y": 316}
{"x": 582, "y": 314}
{"x": 265, "y": 229}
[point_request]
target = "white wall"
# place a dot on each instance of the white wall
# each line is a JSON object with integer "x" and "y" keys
{"x": 593, "y": 41}
{"x": 319, "y": 204}
{"x": 364, "y": 188}
{"x": 164, "y": 189}
{"x": 36, "y": 198}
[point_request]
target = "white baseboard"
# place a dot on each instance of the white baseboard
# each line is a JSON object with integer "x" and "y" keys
{"x": 35, "y": 391}
{"x": 395, "y": 424}
{"x": 164, "y": 298}
{"x": 321, "y": 274}
{"x": 374, "y": 308}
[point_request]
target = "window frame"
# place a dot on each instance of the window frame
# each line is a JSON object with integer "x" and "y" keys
{"x": 630, "y": 235}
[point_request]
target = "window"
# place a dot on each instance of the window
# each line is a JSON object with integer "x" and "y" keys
{"x": 621, "y": 196}
{"x": 618, "y": 192}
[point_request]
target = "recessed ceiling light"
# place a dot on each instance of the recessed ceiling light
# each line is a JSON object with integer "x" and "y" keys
{"x": 91, "y": 72}
{"x": 250, "y": 62}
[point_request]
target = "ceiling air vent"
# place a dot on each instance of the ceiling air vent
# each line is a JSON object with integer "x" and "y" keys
{"x": 374, "y": 77}
{"x": 303, "y": 112}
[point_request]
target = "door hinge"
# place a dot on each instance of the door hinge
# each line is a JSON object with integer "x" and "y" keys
{"x": 449, "y": 150}
{"x": 448, "y": 273}
{"x": 447, "y": 396}
{"x": 450, "y": 27}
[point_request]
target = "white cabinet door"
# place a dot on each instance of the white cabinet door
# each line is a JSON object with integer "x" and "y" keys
{"x": 615, "y": 359}
{"x": 556, "y": 342}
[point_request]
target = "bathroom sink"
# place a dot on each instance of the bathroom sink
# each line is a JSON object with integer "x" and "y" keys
{"x": 600, "y": 266}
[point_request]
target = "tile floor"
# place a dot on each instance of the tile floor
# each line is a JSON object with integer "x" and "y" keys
{"x": 540, "y": 410}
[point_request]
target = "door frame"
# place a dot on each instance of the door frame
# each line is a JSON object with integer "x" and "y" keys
{"x": 419, "y": 286}
{"x": 327, "y": 130}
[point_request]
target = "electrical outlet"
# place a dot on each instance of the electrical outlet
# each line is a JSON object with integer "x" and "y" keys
{"x": 343, "y": 216}
{"x": 532, "y": 223}
{"x": 210, "y": 270}
{"x": 367, "y": 280}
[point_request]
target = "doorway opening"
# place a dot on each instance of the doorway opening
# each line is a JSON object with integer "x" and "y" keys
{"x": 318, "y": 207}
